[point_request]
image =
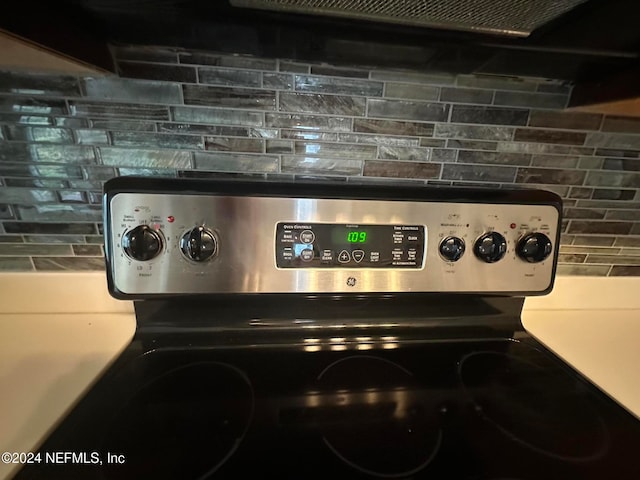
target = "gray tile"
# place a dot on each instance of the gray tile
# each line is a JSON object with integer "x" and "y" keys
{"x": 630, "y": 252}
{"x": 553, "y": 86}
{"x": 232, "y": 131}
{"x": 535, "y": 100}
{"x": 147, "y": 172}
{"x": 86, "y": 184}
{"x": 148, "y": 71}
{"x": 33, "y": 105}
{"x": 376, "y": 168}
{"x": 68, "y": 263}
{"x": 541, "y": 148}
{"x": 229, "y": 77}
{"x": 608, "y": 204}
{"x": 39, "y": 170}
{"x": 294, "y": 67}
{"x": 610, "y": 228}
{"x": 227, "y": 97}
{"x": 322, "y": 166}
{"x": 87, "y": 250}
{"x": 411, "y": 91}
{"x": 234, "y": 144}
{"x": 566, "y": 120}
{"x": 626, "y": 164}
{"x": 119, "y": 110}
{"x": 22, "y": 83}
{"x": 598, "y": 250}
{"x": 614, "y": 141}
{"x": 612, "y": 179}
{"x": 475, "y": 156}
{"x": 624, "y": 271}
{"x": 549, "y": 136}
{"x": 404, "y": 153}
{"x": 122, "y": 157}
{"x": 49, "y": 228}
{"x": 60, "y": 212}
{"x": 277, "y": 81}
{"x": 590, "y": 163}
{"x": 446, "y": 130}
{"x": 614, "y": 259}
{"x": 629, "y": 215}
{"x": 26, "y": 249}
{"x": 488, "y": 115}
{"x": 496, "y": 82}
{"x": 36, "y": 182}
{"x": 94, "y": 239}
{"x": 585, "y": 213}
{"x": 478, "y": 173}
{"x": 557, "y": 161}
{"x": 432, "y": 142}
{"x": 316, "y": 103}
{"x": 580, "y": 192}
{"x": 26, "y": 195}
{"x": 25, "y": 119}
{"x": 608, "y": 152}
{"x": 6, "y": 212}
{"x": 368, "y": 125}
{"x": 443, "y": 155}
{"x": 621, "y": 124}
{"x": 55, "y": 239}
{"x": 15, "y": 152}
{"x": 613, "y": 194}
{"x": 337, "y": 71}
{"x": 235, "y": 61}
{"x": 72, "y": 196}
{"x": 128, "y": 90}
{"x": 70, "y": 122}
{"x": 571, "y": 258}
{"x": 161, "y": 140}
{"x": 335, "y": 150}
{"x": 382, "y": 139}
{"x": 229, "y": 162}
{"x": 594, "y": 240}
{"x": 627, "y": 242}
{"x": 279, "y": 146}
{"x": 583, "y": 270}
{"x": 95, "y": 197}
{"x": 550, "y": 176}
{"x": 216, "y": 116}
{"x": 466, "y": 95}
{"x": 308, "y": 122}
{"x": 402, "y": 109}
{"x": 344, "y": 86}
{"x": 15, "y": 264}
{"x": 128, "y": 125}
{"x": 410, "y": 76}
{"x": 91, "y": 137}
{"x": 145, "y": 53}
{"x": 39, "y": 134}
{"x": 311, "y": 135}
{"x": 98, "y": 173}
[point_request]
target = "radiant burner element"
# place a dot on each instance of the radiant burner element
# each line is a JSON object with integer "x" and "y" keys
{"x": 380, "y": 426}
{"x": 534, "y": 403}
{"x": 198, "y": 413}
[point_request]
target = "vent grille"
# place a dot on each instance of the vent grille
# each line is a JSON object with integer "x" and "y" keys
{"x": 506, "y": 17}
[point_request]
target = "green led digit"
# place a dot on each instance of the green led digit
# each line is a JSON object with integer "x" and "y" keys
{"x": 352, "y": 237}
{"x": 362, "y": 237}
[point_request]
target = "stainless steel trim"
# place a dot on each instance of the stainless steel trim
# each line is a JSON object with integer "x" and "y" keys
{"x": 245, "y": 227}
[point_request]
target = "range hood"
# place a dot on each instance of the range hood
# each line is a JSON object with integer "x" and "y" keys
{"x": 517, "y": 18}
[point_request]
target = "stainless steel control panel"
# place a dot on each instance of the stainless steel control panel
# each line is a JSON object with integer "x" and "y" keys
{"x": 175, "y": 243}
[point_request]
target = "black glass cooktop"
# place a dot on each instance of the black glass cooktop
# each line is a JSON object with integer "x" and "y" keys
{"x": 366, "y": 406}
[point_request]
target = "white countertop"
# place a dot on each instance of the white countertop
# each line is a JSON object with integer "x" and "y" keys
{"x": 60, "y": 331}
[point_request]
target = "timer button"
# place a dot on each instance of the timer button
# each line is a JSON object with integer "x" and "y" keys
{"x": 307, "y": 236}
{"x": 306, "y": 255}
{"x": 490, "y": 247}
{"x": 344, "y": 257}
{"x": 358, "y": 255}
{"x": 452, "y": 249}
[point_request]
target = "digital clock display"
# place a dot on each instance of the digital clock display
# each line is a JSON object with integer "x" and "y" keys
{"x": 356, "y": 236}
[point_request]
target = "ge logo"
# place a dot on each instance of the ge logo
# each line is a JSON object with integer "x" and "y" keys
{"x": 351, "y": 281}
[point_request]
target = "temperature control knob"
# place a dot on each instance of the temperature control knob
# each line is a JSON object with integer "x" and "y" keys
{"x": 534, "y": 247}
{"x": 490, "y": 247}
{"x": 142, "y": 243}
{"x": 199, "y": 244}
{"x": 451, "y": 248}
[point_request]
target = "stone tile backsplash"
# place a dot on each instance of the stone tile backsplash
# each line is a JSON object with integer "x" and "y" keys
{"x": 202, "y": 114}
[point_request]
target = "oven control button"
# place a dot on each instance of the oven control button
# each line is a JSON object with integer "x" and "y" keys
{"x": 306, "y": 255}
{"x": 142, "y": 243}
{"x": 452, "y": 249}
{"x": 490, "y": 247}
{"x": 199, "y": 244}
{"x": 307, "y": 236}
{"x": 358, "y": 255}
{"x": 534, "y": 247}
{"x": 344, "y": 257}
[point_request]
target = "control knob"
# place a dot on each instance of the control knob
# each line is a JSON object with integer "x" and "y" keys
{"x": 490, "y": 247}
{"x": 452, "y": 248}
{"x": 534, "y": 247}
{"x": 199, "y": 244}
{"x": 142, "y": 243}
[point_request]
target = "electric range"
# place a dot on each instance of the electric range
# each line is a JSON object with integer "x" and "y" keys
{"x": 307, "y": 330}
